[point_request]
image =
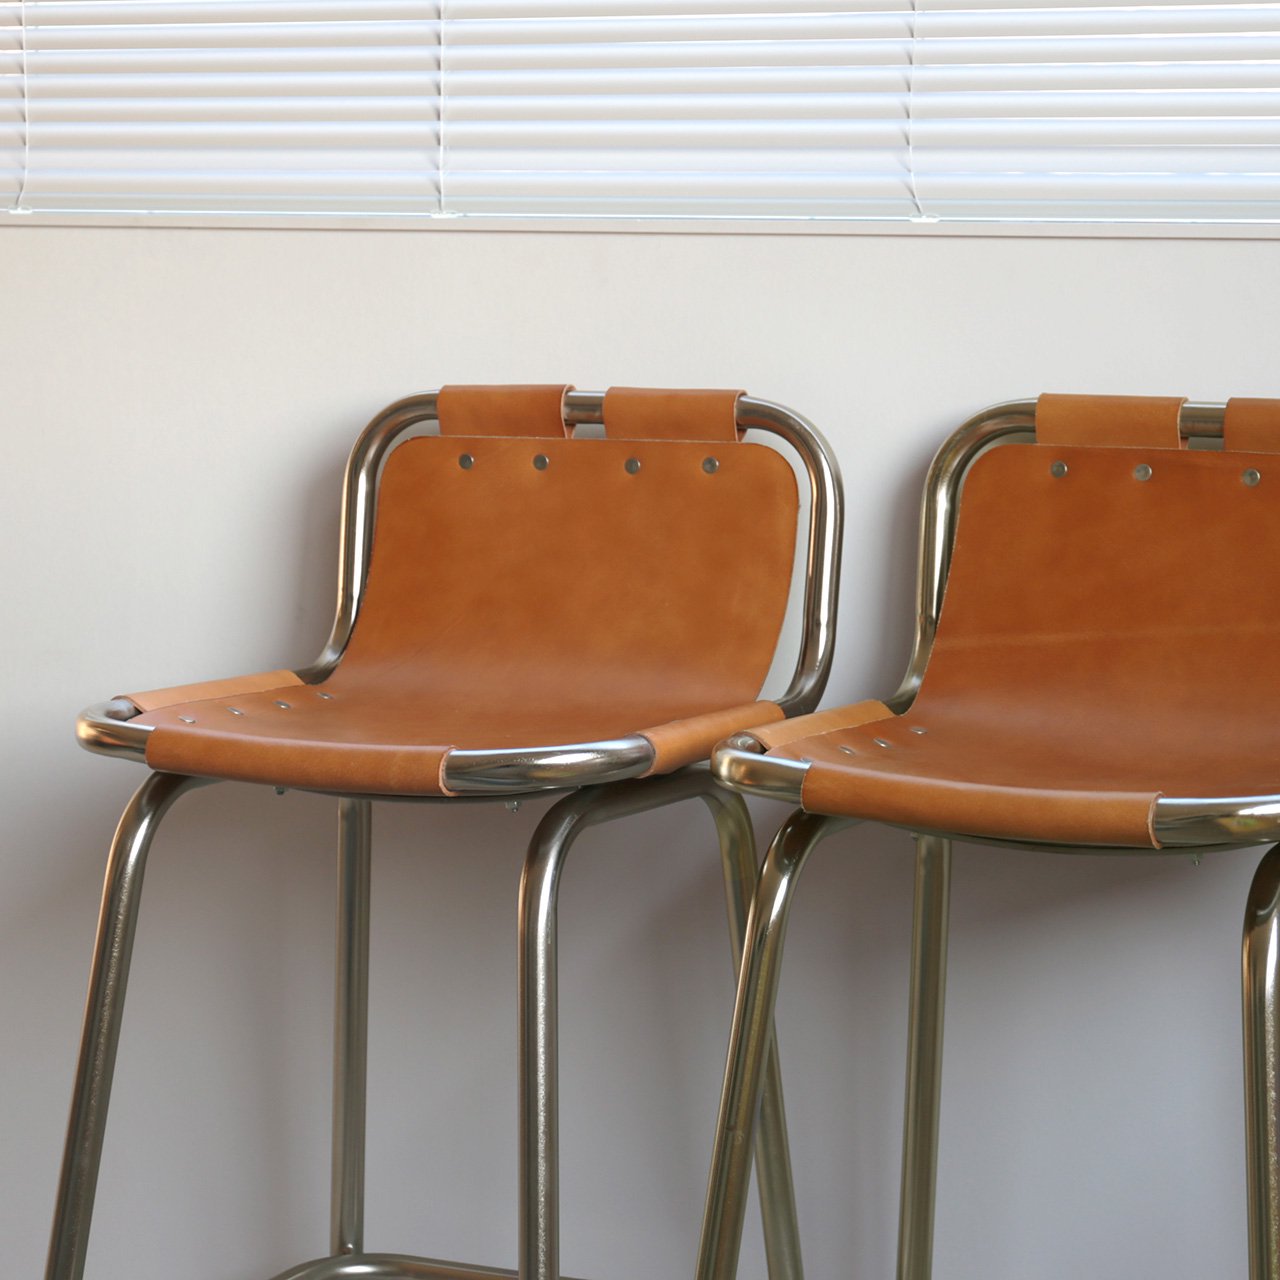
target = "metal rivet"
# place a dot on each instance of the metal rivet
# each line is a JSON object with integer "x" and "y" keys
{"x": 284, "y": 706}
{"x": 632, "y": 465}
{"x": 466, "y": 461}
{"x": 916, "y": 728}
{"x": 1251, "y": 477}
{"x": 513, "y": 806}
{"x": 849, "y": 751}
{"x": 1142, "y": 472}
{"x": 187, "y": 719}
{"x": 880, "y": 742}
{"x": 711, "y": 465}
{"x": 1058, "y": 470}
{"x": 540, "y": 462}
{"x": 328, "y": 697}
{"x": 235, "y": 711}
{"x": 280, "y": 791}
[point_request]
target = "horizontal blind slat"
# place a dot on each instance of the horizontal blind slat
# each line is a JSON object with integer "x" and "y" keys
{"x": 725, "y": 108}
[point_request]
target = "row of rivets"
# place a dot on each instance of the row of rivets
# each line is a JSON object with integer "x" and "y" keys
{"x": 284, "y": 706}
{"x": 632, "y": 465}
{"x": 1143, "y": 472}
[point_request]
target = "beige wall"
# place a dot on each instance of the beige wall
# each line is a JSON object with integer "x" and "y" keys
{"x": 178, "y": 406}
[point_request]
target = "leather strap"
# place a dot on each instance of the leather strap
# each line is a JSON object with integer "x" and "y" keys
{"x": 535, "y": 411}
{"x": 681, "y": 742}
{"x": 646, "y": 413}
{"x": 778, "y": 735}
{"x": 1251, "y": 426}
{"x": 1149, "y": 422}
{"x": 202, "y": 692}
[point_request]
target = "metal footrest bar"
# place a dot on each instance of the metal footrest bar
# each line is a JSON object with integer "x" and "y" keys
{"x": 390, "y": 1266}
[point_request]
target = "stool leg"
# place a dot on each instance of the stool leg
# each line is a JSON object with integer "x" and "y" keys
{"x": 924, "y": 1057}
{"x": 537, "y": 1013}
{"x": 1261, "y": 954}
{"x": 749, "y": 1041}
{"x": 772, "y": 1150}
{"x": 538, "y": 1066}
{"x": 351, "y": 1026}
{"x": 108, "y": 979}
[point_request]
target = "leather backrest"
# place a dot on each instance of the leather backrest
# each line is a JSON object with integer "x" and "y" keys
{"x": 526, "y": 569}
{"x": 1113, "y": 584}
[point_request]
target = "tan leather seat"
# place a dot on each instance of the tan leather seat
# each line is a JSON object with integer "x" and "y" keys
{"x": 1107, "y": 638}
{"x": 528, "y": 590}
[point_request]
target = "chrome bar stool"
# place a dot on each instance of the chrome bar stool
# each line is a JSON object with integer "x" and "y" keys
{"x": 1096, "y": 664}
{"x": 540, "y": 589}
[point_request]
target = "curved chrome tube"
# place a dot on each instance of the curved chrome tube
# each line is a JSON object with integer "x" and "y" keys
{"x": 999, "y": 424}
{"x": 104, "y": 728}
{"x": 359, "y": 506}
{"x": 576, "y": 764}
{"x": 739, "y": 763}
{"x": 824, "y": 543}
{"x": 1239, "y": 820}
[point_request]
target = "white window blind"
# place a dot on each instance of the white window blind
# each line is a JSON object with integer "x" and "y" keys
{"x": 957, "y": 110}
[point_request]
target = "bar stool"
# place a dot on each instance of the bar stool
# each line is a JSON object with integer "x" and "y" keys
{"x": 520, "y": 610}
{"x": 1102, "y": 671}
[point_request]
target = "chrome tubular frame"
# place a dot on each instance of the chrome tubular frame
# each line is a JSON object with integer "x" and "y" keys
{"x": 538, "y": 1039}
{"x": 108, "y": 728}
{"x": 750, "y": 1043}
{"x": 537, "y": 1035}
{"x": 1260, "y": 956}
{"x": 924, "y": 1057}
{"x": 1179, "y": 823}
{"x": 108, "y": 981}
{"x": 351, "y": 1026}
{"x": 105, "y": 727}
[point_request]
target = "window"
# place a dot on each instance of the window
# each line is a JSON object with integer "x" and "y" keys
{"x": 966, "y": 111}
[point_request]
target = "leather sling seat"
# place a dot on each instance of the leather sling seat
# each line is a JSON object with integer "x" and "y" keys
{"x": 548, "y": 591}
{"x": 1099, "y": 645}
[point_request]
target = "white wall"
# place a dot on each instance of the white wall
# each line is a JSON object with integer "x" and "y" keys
{"x": 178, "y": 407}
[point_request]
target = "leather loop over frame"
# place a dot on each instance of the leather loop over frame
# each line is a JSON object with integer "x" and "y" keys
{"x": 536, "y": 411}
{"x": 644, "y": 413}
{"x": 1251, "y": 426}
{"x": 1149, "y": 422}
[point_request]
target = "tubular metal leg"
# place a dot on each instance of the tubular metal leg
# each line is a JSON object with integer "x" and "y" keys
{"x": 1260, "y": 956}
{"x": 108, "y": 979}
{"x": 537, "y": 1016}
{"x": 772, "y": 1150}
{"x": 924, "y": 1057}
{"x": 351, "y": 1027}
{"x": 538, "y": 1066}
{"x": 749, "y": 1041}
